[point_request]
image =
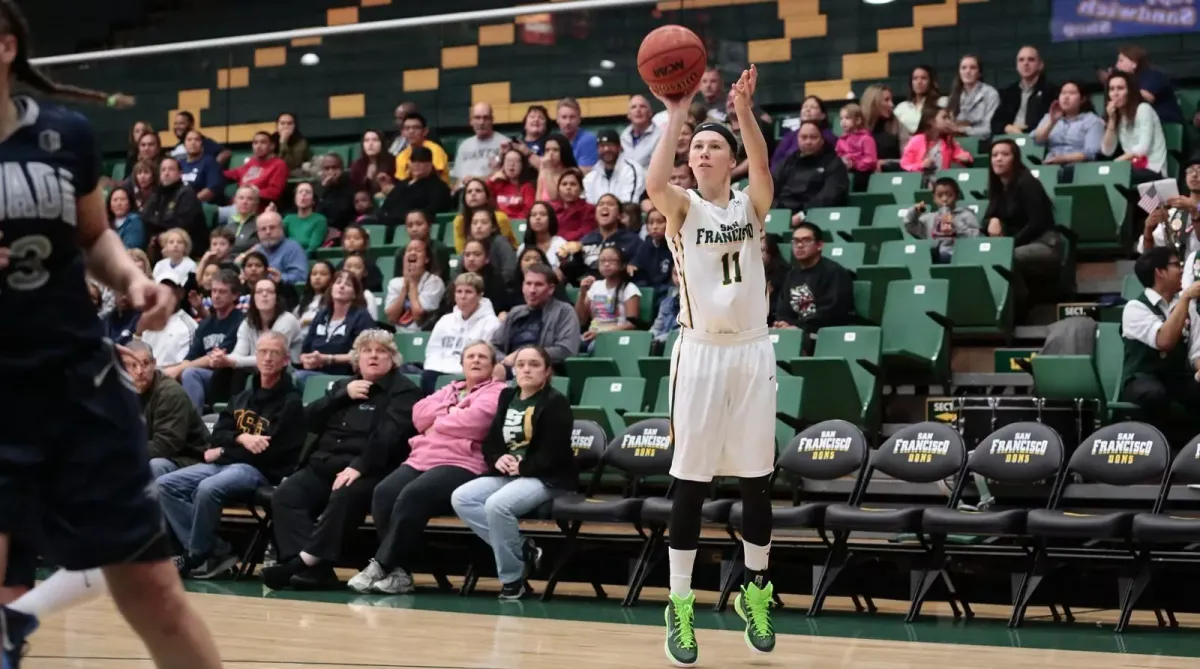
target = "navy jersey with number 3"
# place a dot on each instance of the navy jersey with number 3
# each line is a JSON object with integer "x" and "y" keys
{"x": 46, "y": 315}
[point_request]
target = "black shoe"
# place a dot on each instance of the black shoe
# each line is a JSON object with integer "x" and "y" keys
{"x": 14, "y": 628}
{"x": 279, "y": 576}
{"x": 532, "y": 555}
{"x": 513, "y": 592}
{"x": 320, "y": 577}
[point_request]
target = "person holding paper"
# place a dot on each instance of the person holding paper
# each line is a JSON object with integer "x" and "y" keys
{"x": 1177, "y": 217}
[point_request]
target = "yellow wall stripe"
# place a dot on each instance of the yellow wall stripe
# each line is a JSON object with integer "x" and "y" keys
{"x": 497, "y": 35}
{"x": 348, "y": 106}
{"x": 271, "y": 56}
{"x": 340, "y": 16}
{"x": 455, "y": 57}
{"x": 238, "y": 77}
{"x": 193, "y": 99}
{"x": 307, "y": 41}
{"x": 421, "y": 80}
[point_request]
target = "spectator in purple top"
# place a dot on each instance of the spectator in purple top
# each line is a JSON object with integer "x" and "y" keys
{"x": 811, "y": 110}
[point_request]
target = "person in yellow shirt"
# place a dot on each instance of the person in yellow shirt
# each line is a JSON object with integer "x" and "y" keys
{"x": 416, "y": 130}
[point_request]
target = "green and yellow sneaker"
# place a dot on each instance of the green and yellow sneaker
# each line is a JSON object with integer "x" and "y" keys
{"x": 681, "y": 634}
{"x": 753, "y": 604}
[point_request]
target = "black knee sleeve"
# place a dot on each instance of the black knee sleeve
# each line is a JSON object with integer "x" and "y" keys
{"x": 756, "y": 510}
{"x": 685, "y": 514}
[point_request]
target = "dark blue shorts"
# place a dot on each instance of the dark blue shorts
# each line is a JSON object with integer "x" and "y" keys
{"x": 74, "y": 469}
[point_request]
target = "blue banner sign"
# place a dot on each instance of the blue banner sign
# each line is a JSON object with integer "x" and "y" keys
{"x": 1106, "y": 19}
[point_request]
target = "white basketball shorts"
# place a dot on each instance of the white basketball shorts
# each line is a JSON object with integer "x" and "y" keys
{"x": 722, "y": 398}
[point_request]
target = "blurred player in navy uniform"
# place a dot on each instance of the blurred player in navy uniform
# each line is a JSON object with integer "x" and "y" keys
{"x": 74, "y": 469}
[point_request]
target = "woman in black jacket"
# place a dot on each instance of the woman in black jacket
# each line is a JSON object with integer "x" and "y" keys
{"x": 363, "y": 425}
{"x": 530, "y": 461}
{"x": 1019, "y": 207}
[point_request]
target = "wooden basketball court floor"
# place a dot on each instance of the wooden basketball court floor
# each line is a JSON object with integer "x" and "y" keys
{"x": 259, "y": 629}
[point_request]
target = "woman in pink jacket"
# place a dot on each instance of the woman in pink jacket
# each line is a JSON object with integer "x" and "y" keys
{"x": 446, "y": 453}
{"x": 933, "y": 147}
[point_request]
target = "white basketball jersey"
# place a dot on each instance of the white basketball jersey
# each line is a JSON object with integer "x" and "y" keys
{"x": 722, "y": 283}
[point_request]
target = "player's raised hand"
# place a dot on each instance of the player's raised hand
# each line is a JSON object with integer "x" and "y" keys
{"x": 679, "y": 101}
{"x": 154, "y": 300}
{"x": 743, "y": 88}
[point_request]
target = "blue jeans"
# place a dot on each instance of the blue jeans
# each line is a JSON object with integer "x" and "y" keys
{"x": 192, "y": 499}
{"x": 492, "y": 507}
{"x": 195, "y": 383}
{"x": 161, "y": 466}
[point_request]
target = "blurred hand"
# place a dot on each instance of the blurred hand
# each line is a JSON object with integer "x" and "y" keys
{"x": 919, "y": 207}
{"x": 212, "y": 454}
{"x": 255, "y": 443}
{"x": 508, "y": 464}
{"x": 743, "y": 88}
{"x": 154, "y": 300}
{"x": 1181, "y": 202}
{"x": 588, "y": 336}
{"x": 586, "y": 284}
{"x": 274, "y": 274}
{"x": 346, "y": 477}
{"x": 1014, "y": 129}
{"x": 358, "y": 389}
{"x": 1193, "y": 291}
{"x": 1155, "y": 219}
{"x": 995, "y": 228}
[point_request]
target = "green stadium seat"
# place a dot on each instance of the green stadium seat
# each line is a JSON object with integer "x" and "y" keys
{"x": 317, "y": 385}
{"x": 1063, "y": 212}
{"x": 562, "y": 384}
{"x": 898, "y": 261}
{"x": 778, "y": 221}
{"x": 1048, "y": 175}
{"x": 969, "y": 144}
{"x": 863, "y": 307}
{"x": 902, "y": 185}
{"x": 868, "y": 202}
{"x": 453, "y": 263}
{"x": 842, "y": 376}
{"x": 118, "y": 171}
{"x": 1029, "y": 148}
{"x": 1131, "y": 287}
{"x": 1173, "y": 133}
{"x": 377, "y": 232}
{"x": 887, "y": 225}
{"x": 661, "y": 408}
{"x": 787, "y": 342}
{"x": 977, "y": 207}
{"x": 211, "y": 214}
{"x": 400, "y": 236}
{"x": 446, "y": 379}
{"x": 656, "y": 370}
{"x": 614, "y": 354}
{"x": 833, "y": 221}
{"x": 387, "y": 267}
{"x": 605, "y": 399}
{"x": 847, "y": 254}
{"x": 980, "y": 279}
{"x": 1066, "y": 377}
{"x": 646, "y": 306}
{"x": 412, "y": 346}
{"x": 1098, "y": 209}
{"x": 912, "y": 342}
{"x": 1109, "y": 358}
{"x": 518, "y": 227}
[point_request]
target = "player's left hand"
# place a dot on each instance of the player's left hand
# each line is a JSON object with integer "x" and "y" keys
{"x": 743, "y": 88}
{"x": 153, "y": 300}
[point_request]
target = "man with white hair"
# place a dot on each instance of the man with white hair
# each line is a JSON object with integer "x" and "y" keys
{"x": 256, "y": 442}
{"x": 284, "y": 255}
{"x": 639, "y": 138}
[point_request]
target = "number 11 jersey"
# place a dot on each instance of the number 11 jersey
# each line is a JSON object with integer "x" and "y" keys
{"x": 718, "y": 253}
{"x": 47, "y": 319}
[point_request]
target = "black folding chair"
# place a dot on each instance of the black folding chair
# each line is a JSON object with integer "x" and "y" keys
{"x": 1124, "y": 454}
{"x": 925, "y": 453}
{"x": 1017, "y": 456}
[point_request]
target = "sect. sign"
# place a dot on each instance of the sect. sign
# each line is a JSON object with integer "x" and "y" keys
{"x": 1105, "y": 19}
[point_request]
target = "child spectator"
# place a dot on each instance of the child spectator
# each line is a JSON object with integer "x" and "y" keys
{"x": 486, "y": 230}
{"x": 413, "y": 298}
{"x": 356, "y": 239}
{"x": 364, "y": 207}
{"x": 475, "y": 260}
{"x": 315, "y": 292}
{"x": 653, "y": 261}
{"x": 667, "y": 320}
{"x": 127, "y": 223}
{"x": 418, "y": 225}
{"x": 254, "y": 269}
{"x": 949, "y": 222}
{"x": 856, "y": 147}
{"x": 933, "y": 148}
{"x": 576, "y": 216}
{"x": 176, "y": 245}
{"x": 219, "y": 253}
{"x": 476, "y": 195}
{"x": 356, "y": 264}
{"x": 541, "y": 232}
{"x": 605, "y": 304}
{"x": 306, "y": 226}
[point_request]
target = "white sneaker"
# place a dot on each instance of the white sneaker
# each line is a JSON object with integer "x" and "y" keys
{"x": 398, "y": 582}
{"x": 365, "y": 579}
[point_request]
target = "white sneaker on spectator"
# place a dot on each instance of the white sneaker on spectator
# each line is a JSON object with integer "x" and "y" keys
{"x": 363, "y": 581}
{"x": 398, "y": 582}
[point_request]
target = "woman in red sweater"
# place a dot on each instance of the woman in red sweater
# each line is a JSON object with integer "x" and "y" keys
{"x": 513, "y": 190}
{"x": 576, "y": 216}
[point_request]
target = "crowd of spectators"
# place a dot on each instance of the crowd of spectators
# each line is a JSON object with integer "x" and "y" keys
{"x": 551, "y": 242}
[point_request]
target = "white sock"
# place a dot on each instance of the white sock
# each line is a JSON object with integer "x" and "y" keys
{"x": 757, "y": 557}
{"x": 308, "y": 559}
{"x": 681, "y": 571}
{"x": 63, "y": 590}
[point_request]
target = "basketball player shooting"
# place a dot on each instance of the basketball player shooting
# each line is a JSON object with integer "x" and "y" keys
{"x": 722, "y": 392}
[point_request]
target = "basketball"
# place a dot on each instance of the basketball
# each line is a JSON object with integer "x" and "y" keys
{"x": 671, "y": 61}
